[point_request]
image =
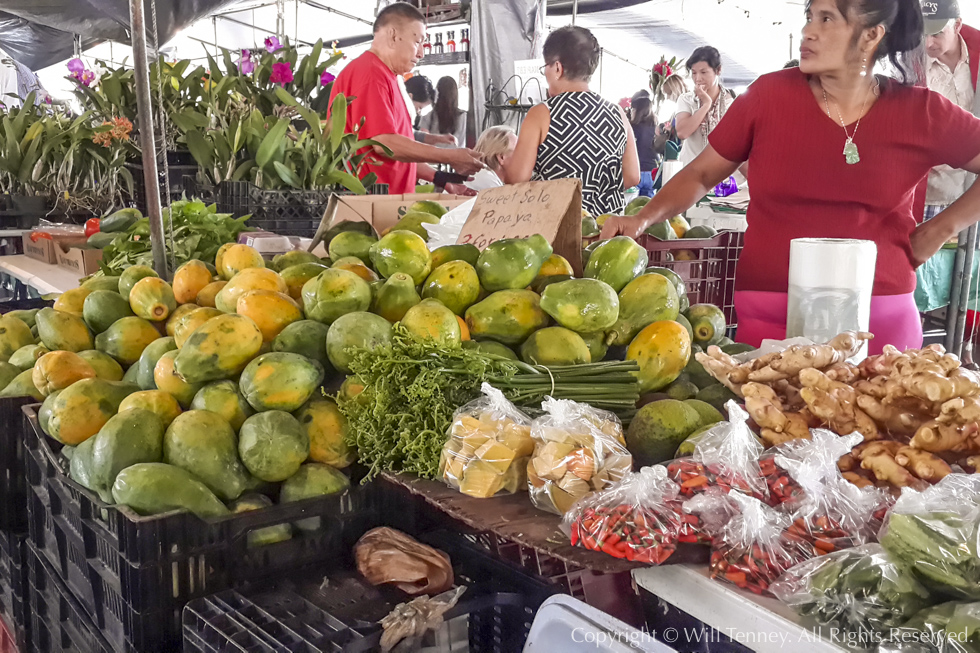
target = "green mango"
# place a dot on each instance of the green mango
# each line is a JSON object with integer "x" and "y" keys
{"x": 155, "y": 488}
{"x": 204, "y": 444}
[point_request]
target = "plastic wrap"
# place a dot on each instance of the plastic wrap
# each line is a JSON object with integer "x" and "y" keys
{"x": 578, "y": 450}
{"x": 753, "y": 549}
{"x": 952, "y": 627}
{"x": 933, "y": 534}
{"x": 413, "y": 619}
{"x": 635, "y": 519}
{"x": 488, "y": 447}
{"x": 860, "y": 591}
{"x": 385, "y": 555}
{"x": 830, "y": 513}
{"x": 725, "y": 456}
{"x": 705, "y": 515}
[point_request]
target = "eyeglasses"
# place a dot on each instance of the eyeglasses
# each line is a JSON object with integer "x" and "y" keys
{"x": 545, "y": 67}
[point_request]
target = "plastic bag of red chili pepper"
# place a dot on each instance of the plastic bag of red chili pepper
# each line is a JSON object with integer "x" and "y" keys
{"x": 753, "y": 549}
{"x": 705, "y": 515}
{"x": 831, "y": 513}
{"x": 635, "y": 519}
{"x": 725, "y": 456}
{"x": 781, "y": 484}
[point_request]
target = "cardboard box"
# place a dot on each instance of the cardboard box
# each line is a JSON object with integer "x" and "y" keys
{"x": 384, "y": 211}
{"x": 43, "y": 250}
{"x": 81, "y": 261}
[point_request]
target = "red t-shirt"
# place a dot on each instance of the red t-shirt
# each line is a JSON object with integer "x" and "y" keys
{"x": 803, "y": 188}
{"x": 377, "y": 99}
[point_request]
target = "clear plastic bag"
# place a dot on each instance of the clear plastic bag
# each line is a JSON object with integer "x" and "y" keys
{"x": 488, "y": 447}
{"x": 934, "y": 535}
{"x": 830, "y": 513}
{"x": 952, "y": 627}
{"x": 860, "y": 591}
{"x": 753, "y": 549}
{"x": 635, "y": 519}
{"x": 578, "y": 450}
{"x": 705, "y": 515}
{"x": 725, "y": 456}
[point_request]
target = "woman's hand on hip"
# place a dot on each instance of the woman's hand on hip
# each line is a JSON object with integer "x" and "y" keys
{"x": 927, "y": 239}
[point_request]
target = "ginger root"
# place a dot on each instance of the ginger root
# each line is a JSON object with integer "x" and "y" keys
{"x": 858, "y": 480}
{"x": 936, "y": 436}
{"x": 923, "y": 464}
{"x": 894, "y": 417}
{"x": 777, "y": 425}
{"x": 836, "y": 404}
{"x": 879, "y": 459}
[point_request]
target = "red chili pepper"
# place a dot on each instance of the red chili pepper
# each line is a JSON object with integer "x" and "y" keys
{"x": 38, "y": 235}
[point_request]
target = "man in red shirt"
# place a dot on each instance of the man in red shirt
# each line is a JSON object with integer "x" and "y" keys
{"x": 378, "y": 109}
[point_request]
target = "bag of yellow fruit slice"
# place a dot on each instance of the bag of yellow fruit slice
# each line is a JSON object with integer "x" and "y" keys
{"x": 488, "y": 447}
{"x": 578, "y": 450}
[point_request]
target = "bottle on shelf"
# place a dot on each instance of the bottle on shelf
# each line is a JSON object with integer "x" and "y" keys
{"x": 437, "y": 48}
{"x": 427, "y": 46}
{"x": 451, "y": 43}
{"x": 464, "y": 41}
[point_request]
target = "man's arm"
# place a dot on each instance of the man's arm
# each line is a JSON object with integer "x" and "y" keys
{"x": 464, "y": 161}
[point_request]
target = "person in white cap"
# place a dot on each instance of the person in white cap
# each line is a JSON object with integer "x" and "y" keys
{"x": 953, "y": 51}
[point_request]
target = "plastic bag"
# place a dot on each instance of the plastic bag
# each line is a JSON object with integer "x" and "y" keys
{"x": 634, "y": 519}
{"x": 725, "y": 456}
{"x": 488, "y": 447}
{"x": 413, "y": 619}
{"x": 830, "y": 512}
{"x": 385, "y": 555}
{"x": 859, "y": 591}
{"x": 705, "y": 515}
{"x": 753, "y": 549}
{"x": 934, "y": 535}
{"x": 578, "y": 450}
{"x": 952, "y": 627}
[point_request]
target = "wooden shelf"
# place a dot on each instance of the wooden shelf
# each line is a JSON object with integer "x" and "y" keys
{"x": 445, "y": 59}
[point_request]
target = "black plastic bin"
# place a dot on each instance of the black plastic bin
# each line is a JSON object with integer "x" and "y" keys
{"x": 14, "y": 587}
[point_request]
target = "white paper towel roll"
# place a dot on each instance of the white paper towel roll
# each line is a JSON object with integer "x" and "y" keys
{"x": 830, "y": 285}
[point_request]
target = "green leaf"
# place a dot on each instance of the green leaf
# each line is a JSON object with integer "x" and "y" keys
{"x": 347, "y": 180}
{"x": 200, "y": 148}
{"x": 271, "y": 143}
{"x": 230, "y": 66}
{"x": 285, "y": 97}
{"x": 242, "y": 170}
{"x": 112, "y": 88}
{"x": 215, "y": 71}
{"x": 287, "y": 175}
{"x": 338, "y": 120}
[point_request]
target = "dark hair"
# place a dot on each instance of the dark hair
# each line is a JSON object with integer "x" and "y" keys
{"x": 641, "y": 109}
{"x": 577, "y": 50}
{"x": 902, "y": 20}
{"x": 705, "y": 54}
{"x": 397, "y": 12}
{"x": 447, "y": 105}
{"x": 792, "y": 63}
{"x": 420, "y": 88}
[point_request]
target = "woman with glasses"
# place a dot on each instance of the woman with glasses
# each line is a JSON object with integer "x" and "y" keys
{"x": 575, "y": 133}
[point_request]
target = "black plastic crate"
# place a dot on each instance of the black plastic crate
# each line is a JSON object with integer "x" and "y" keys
{"x": 13, "y": 586}
{"x": 58, "y": 622}
{"x": 134, "y": 574}
{"x": 13, "y": 487}
{"x": 285, "y": 212}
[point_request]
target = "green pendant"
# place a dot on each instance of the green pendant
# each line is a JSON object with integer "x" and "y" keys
{"x": 851, "y": 154}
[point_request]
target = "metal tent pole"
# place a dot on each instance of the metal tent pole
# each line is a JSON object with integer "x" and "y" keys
{"x": 963, "y": 280}
{"x": 144, "y": 108}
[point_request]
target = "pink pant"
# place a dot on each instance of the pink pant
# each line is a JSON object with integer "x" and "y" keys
{"x": 894, "y": 319}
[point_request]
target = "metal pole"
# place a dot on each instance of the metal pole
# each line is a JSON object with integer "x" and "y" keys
{"x": 966, "y": 277}
{"x": 144, "y": 108}
{"x": 574, "y": 11}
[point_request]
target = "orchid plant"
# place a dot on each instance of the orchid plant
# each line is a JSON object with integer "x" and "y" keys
{"x": 661, "y": 71}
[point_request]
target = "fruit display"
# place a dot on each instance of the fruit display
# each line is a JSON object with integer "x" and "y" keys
{"x": 578, "y": 450}
{"x": 915, "y": 410}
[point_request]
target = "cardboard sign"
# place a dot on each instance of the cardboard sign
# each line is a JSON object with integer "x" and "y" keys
{"x": 550, "y": 208}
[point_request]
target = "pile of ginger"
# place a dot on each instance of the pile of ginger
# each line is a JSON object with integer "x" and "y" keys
{"x": 917, "y": 410}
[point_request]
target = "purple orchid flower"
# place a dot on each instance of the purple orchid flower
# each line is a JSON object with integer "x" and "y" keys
{"x": 246, "y": 66}
{"x": 76, "y": 66}
{"x": 282, "y": 73}
{"x": 272, "y": 44}
{"x": 87, "y": 77}
{"x": 326, "y": 78}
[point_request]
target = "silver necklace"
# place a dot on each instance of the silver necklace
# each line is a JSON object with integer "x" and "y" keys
{"x": 851, "y": 154}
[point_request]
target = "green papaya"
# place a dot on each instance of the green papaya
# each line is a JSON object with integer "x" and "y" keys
{"x": 708, "y": 323}
{"x": 353, "y": 332}
{"x": 225, "y": 399}
{"x": 273, "y": 445}
{"x": 105, "y": 366}
{"x": 447, "y": 253}
{"x": 306, "y": 338}
{"x": 555, "y": 346}
{"x": 582, "y": 305}
{"x": 351, "y": 243}
{"x": 59, "y": 330}
{"x": 617, "y": 261}
{"x": 396, "y": 295}
{"x": 80, "y": 467}
{"x": 130, "y": 437}
{"x": 455, "y": 284}
{"x": 280, "y": 380}
{"x": 412, "y": 221}
{"x": 155, "y": 488}
{"x": 676, "y": 281}
{"x": 401, "y": 251}
{"x": 8, "y": 372}
{"x": 507, "y": 316}
{"x": 25, "y": 357}
{"x": 126, "y": 339}
{"x": 261, "y": 536}
{"x": 131, "y": 275}
{"x": 204, "y": 444}
{"x": 102, "y": 283}
{"x": 512, "y": 263}
{"x": 27, "y": 316}
{"x": 296, "y": 277}
{"x": 102, "y": 308}
{"x": 296, "y": 257}
{"x": 491, "y": 347}
{"x": 596, "y": 342}
{"x": 646, "y": 299}
{"x": 312, "y": 480}
{"x": 333, "y": 293}
{"x": 15, "y": 334}
{"x": 148, "y": 361}
{"x": 22, "y": 385}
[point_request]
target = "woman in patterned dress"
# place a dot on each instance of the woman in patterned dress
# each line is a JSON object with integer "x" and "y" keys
{"x": 575, "y": 133}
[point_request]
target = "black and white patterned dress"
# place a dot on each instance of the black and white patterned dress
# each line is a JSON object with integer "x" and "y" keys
{"x": 586, "y": 140}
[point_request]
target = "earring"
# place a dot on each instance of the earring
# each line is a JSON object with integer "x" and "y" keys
{"x": 864, "y": 67}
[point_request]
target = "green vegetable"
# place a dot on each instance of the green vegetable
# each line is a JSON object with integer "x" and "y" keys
{"x": 940, "y": 548}
{"x": 952, "y": 627}
{"x": 198, "y": 232}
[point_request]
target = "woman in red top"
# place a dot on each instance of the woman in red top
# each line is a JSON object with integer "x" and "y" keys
{"x": 834, "y": 151}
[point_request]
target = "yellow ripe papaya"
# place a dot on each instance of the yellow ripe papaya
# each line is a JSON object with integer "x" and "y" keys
{"x": 72, "y": 301}
{"x": 662, "y": 350}
{"x": 237, "y": 258}
{"x": 160, "y": 403}
{"x": 219, "y": 256}
{"x": 179, "y": 312}
{"x": 57, "y": 370}
{"x": 126, "y": 339}
{"x": 80, "y": 410}
{"x": 218, "y": 349}
{"x": 326, "y": 427}
{"x": 152, "y": 298}
{"x": 249, "y": 279}
{"x": 209, "y": 292}
{"x": 272, "y": 311}
{"x": 167, "y": 379}
{"x": 190, "y": 279}
{"x": 189, "y": 322}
